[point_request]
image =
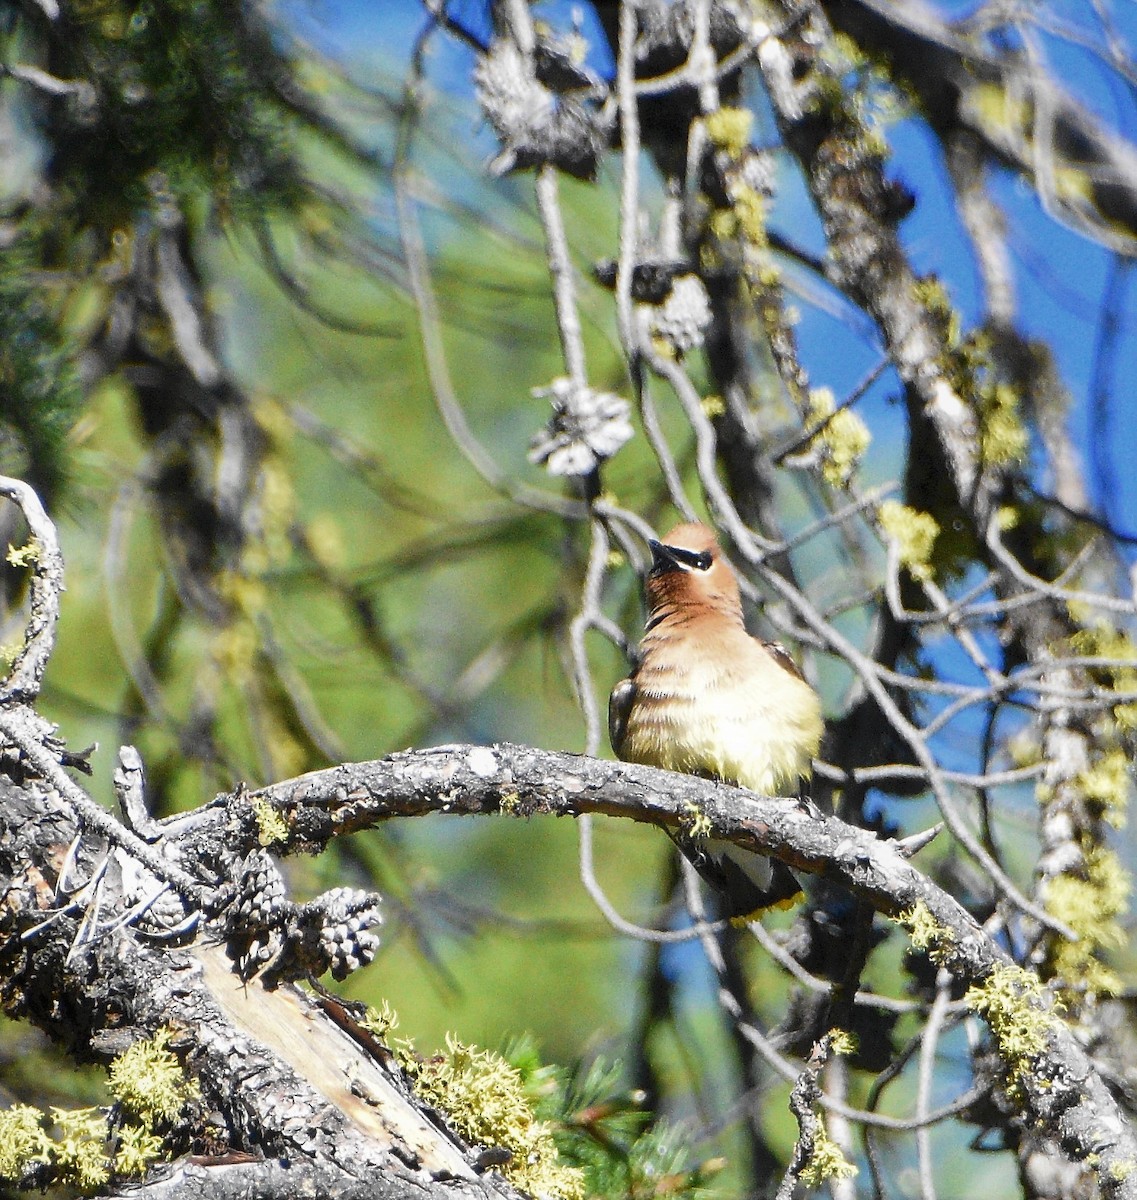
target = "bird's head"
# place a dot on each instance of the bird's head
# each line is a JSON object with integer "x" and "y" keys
{"x": 688, "y": 568}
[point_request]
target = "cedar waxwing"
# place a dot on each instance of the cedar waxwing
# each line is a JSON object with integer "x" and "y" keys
{"x": 708, "y": 699}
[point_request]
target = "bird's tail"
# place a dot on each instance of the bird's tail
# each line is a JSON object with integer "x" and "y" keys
{"x": 747, "y": 884}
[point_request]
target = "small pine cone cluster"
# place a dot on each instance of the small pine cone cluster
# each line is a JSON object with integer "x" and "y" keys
{"x": 261, "y": 898}
{"x": 161, "y": 913}
{"x": 348, "y": 938}
{"x": 261, "y": 914}
{"x": 586, "y": 428}
{"x": 682, "y": 319}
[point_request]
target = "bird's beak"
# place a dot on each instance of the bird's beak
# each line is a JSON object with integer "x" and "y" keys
{"x": 663, "y": 559}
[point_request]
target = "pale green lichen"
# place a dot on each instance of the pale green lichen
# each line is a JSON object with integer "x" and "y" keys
{"x": 925, "y": 933}
{"x": 842, "y": 1042}
{"x": 23, "y": 1142}
{"x": 968, "y": 366}
{"x": 272, "y": 829}
{"x": 1092, "y": 904}
{"x": 484, "y": 1096}
{"x": 729, "y": 129}
{"x": 137, "y": 1150}
{"x": 150, "y": 1083}
{"x": 827, "y": 1161}
{"x": 24, "y": 556}
{"x": 80, "y": 1149}
{"x": 842, "y": 440}
{"x": 914, "y": 533}
{"x": 695, "y": 822}
{"x": 1106, "y": 783}
{"x": 381, "y": 1021}
{"x": 1101, "y": 640}
{"x": 1011, "y": 1001}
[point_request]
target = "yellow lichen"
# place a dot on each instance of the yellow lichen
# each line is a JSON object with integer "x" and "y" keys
{"x": 80, "y": 1149}
{"x": 662, "y": 348}
{"x": 723, "y": 224}
{"x": 1007, "y": 517}
{"x": 729, "y": 129}
{"x": 969, "y": 368}
{"x": 381, "y": 1021}
{"x": 749, "y": 208}
{"x": 25, "y": 555}
{"x": 150, "y": 1083}
{"x": 1003, "y": 438}
{"x": 712, "y": 406}
{"x": 695, "y": 822}
{"x": 234, "y": 649}
{"x": 842, "y": 1042}
{"x": 842, "y": 440}
{"x": 274, "y": 419}
{"x": 509, "y": 803}
{"x": 484, "y": 1096}
{"x": 23, "y": 1142}
{"x": 1001, "y": 110}
{"x": 914, "y": 533}
{"x": 1106, "y": 782}
{"x": 277, "y": 509}
{"x": 924, "y": 932}
{"x": 827, "y": 1160}
{"x": 1101, "y": 640}
{"x": 1010, "y": 1000}
{"x": 137, "y": 1150}
{"x": 1091, "y": 904}
{"x": 243, "y": 592}
{"x": 326, "y": 541}
{"x": 272, "y": 829}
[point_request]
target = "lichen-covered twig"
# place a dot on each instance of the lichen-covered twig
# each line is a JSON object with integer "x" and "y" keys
{"x": 42, "y": 554}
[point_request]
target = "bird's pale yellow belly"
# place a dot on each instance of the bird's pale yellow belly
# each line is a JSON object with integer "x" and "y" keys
{"x": 761, "y": 738}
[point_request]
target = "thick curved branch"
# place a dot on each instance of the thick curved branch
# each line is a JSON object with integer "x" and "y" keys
{"x": 1061, "y": 1087}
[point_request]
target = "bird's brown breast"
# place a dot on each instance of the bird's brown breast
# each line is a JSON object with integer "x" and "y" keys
{"x": 708, "y": 698}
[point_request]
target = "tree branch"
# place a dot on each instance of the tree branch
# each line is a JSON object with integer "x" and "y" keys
{"x": 1061, "y": 1088}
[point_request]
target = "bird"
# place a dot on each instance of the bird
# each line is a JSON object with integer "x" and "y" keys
{"x": 706, "y": 698}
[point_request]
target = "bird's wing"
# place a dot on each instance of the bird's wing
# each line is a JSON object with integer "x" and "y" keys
{"x": 783, "y": 658}
{"x": 619, "y": 706}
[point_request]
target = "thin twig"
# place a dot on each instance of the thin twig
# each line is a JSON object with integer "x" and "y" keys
{"x": 43, "y": 556}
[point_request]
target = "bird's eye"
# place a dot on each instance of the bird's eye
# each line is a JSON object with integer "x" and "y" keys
{"x": 702, "y": 561}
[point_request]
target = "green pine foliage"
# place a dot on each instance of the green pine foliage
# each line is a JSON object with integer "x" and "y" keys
{"x": 39, "y": 389}
{"x": 601, "y": 1128}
